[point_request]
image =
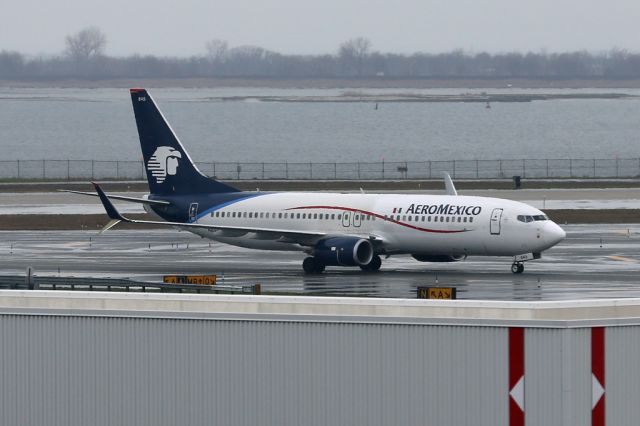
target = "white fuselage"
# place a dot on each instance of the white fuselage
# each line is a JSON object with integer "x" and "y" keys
{"x": 402, "y": 223}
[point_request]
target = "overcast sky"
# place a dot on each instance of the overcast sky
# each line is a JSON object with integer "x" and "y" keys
{"x": 181, "y": 27}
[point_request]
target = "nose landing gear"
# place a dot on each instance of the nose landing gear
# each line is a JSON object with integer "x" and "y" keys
{"x": 517, "y": 267}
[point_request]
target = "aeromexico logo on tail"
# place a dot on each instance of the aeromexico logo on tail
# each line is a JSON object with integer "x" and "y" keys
{"x": 163, "y": 163}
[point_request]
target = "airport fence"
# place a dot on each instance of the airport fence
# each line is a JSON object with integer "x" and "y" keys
{"x": 458, "y": 169}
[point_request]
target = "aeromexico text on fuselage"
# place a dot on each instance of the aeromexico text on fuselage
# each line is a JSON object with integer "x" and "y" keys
{"x": 450, "y": 209}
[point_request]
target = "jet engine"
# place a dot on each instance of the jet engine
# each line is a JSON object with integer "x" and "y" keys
{"x": 343, "y": 251}
{"x": 438, "y": 257}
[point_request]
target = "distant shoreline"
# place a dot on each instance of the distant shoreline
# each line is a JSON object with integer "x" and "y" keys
{"x": 338, "y": 83}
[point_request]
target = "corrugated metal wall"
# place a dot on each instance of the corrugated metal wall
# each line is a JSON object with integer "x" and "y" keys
{"x": 557, "y": 376}
{"x": 622, "y": 366}
{"x": 123, "y": 371}
{"x": 77, "y": 370}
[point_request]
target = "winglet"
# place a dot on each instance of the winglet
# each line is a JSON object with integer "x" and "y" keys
{"x": 448, "y": 184}
{"x": 112, "y": 212}
{"x": 109, "y": 225}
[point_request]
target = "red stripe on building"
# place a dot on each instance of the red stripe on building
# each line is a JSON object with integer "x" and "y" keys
{"x": 598, "y": 377}
{"x": 516, "y": 376}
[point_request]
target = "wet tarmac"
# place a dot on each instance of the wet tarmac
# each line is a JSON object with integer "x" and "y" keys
{"x": 595, "y": 261}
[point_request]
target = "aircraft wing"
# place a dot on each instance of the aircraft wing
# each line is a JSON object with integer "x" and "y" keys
{"x": 121, "y": 197}
{"x": 305, "y": 238}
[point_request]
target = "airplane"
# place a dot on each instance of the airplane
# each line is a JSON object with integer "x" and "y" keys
{"x": 332, "y": 229}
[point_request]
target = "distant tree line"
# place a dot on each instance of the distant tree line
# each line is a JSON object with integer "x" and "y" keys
{"x": 84, "y": 58}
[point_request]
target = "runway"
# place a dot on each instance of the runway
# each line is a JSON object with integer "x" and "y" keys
{"x": 595, "y": 261}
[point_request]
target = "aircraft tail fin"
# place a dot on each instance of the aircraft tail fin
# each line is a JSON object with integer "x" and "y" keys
{"x": 170, "y": 170}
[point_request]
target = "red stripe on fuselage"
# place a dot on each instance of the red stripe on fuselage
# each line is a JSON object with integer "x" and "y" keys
{"x": 388, "y": 219}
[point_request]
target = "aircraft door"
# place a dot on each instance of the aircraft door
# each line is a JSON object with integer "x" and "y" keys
{"x": 193, "y": 212}
{"x": 346, "y": 219}
{"x": 494, "y": 224}
{"x": 357, "y": 219}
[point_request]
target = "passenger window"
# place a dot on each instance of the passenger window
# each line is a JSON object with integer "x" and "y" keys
{"x": 339, "y": 216}
{"x": 250, "y": 215}
{"x": 320, "y": 216}
{"x": 279, "y": 215}
{"x": 297, "y": 215}
{"x": 447, "y": 218}
{"x": 428, "y": 218}
{"x": 470, "y": 219}
{"x": 464, "y": 219}
{"x": 417, "y": 218}
{"x": 333, "y": 216}
{"x": 409, "y": 219}
{"x": 459, "y": 219}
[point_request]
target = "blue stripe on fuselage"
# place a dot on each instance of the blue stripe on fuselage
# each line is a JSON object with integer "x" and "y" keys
{"x": 178, "y": 210}
{"x": 241, "y": 197}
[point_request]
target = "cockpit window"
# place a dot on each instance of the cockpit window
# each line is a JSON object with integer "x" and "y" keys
{"x": 527, "y": 218}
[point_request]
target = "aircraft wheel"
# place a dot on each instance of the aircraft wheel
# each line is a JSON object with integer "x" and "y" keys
{"x": 517, "y": 268}
{"x": 312, "y": 266}
{"x": 374, "y": 265}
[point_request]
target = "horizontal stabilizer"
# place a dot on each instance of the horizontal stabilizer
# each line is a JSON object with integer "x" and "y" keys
{"x": 121, "y": 198}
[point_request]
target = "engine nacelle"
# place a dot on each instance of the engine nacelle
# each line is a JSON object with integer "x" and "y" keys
{"x": 437, "y": 257}
{"x": 344, "y": 251}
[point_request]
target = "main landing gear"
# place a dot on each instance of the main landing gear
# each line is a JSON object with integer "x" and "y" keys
{"x": 374, "y": 265}
{"x": 517, "y": 267}
{"x": 313, "y": 265}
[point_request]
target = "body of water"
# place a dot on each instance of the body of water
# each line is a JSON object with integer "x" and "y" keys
{"x": 98, "y": 124}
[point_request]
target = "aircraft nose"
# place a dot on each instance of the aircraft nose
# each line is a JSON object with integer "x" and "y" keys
{"x": 553, "y": 234}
